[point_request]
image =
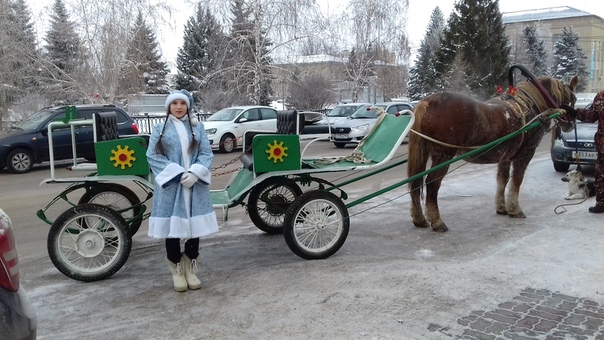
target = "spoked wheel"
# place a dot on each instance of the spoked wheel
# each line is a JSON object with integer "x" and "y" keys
{"x": 118, "y": 198}
{"x": 316, "y": 225}
{"x": 268, "y": 203}
{"x": 89, "y": 242}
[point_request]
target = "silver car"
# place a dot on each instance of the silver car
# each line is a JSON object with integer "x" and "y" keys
{"x": 576, "y": 146}
{"x": 357, "y": 126}
{"x": 335, "y": 115}
{"x": 568, "y": 150}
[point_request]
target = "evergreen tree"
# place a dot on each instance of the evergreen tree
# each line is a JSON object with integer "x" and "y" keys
{"x": 535, "y": 50}
{"x": 445, "y": 58}
{"x": 422, "y": 75}
{"x": 143, "y": 70}
{"x": 18, "y": 53}
{"x": 475, "y": 37}
{"x": 62, "y": 42}
{"x": 200, "y": 57}
{"x": 569, "y": 59}
{"x": 64, "y": 55}
{"x": 24, "y": 36}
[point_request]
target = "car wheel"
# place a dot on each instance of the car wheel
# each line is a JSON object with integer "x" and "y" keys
{"x": 228, "y": 143}
{"x": 19, "y": 161}
{"x": 339, "y": 145}
{"x": 561, "y": 167}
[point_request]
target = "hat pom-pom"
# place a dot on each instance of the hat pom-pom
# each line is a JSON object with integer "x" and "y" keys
{"x": 194, "y": 120}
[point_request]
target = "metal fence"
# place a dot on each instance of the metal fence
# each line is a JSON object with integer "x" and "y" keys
{"x": 146, "y": 123}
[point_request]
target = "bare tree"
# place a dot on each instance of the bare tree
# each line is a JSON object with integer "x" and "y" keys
{"x": 262, "y": 32}
{"x": 310, "y": 92}
{"x": 376, "y": 32}
{"x": 106, "y": 27}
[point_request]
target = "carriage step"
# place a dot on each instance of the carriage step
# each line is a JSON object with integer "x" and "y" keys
{"x": 221, "y": 200}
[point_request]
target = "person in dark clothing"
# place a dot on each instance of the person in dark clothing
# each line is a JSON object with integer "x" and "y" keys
{"x": 591, "y": 114}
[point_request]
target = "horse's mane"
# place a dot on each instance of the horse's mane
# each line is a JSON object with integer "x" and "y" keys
{"x": 528, "y": 99}
{"x": 557, "y": 89}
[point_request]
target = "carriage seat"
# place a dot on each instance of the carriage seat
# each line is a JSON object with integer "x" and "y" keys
{"x": 289, "y": 122}
{"x": 115, "y": 154}
{"x": 106, "y": 126}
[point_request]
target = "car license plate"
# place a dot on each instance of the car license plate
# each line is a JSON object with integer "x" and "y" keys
{"x": 341, "y": 136}
{"x": 584, "y": 155}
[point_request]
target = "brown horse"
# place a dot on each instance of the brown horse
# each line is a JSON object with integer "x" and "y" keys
{"x": 450, "y": 124}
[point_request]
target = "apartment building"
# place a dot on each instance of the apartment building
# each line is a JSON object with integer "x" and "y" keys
{"x": 549, "y": 23}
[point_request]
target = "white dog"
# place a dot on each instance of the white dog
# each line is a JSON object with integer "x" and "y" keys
{"x": 578, "y": 186}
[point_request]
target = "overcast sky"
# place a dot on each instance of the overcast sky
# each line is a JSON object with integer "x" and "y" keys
{"x": 418, "y": 16}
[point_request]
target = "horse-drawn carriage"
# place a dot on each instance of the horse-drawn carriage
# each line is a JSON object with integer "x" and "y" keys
{"x": 92, "y": 239}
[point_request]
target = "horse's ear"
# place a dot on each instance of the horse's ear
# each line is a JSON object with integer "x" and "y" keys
{"x": 574, "y": 82}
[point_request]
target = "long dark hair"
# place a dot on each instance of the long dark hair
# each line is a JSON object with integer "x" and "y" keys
{"x": 159, "y": 147}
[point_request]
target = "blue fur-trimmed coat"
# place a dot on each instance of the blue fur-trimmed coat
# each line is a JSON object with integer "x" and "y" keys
{"x": 178, "y": 212}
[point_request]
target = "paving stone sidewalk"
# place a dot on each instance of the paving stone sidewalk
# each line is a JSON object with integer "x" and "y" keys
{"x": 537, "y": 314}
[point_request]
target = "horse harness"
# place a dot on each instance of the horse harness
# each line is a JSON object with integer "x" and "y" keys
{"x": 519, "y": 105}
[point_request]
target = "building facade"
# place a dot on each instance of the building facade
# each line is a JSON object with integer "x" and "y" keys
{"x": 549, "y": 23}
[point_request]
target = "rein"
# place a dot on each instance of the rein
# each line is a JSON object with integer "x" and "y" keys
{"x": 542, "y": 115}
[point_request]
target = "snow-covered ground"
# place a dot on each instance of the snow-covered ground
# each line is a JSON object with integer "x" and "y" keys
{"x": 390, "y": 280}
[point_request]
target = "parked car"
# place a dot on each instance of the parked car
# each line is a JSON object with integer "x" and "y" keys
{"x": 338, "y": 113}
{"x": 17, "y": 314}
{"x": 315, "y": 124}
{"x": 226, "y": 127}
{"x": 27, "y": 141}
{"x": 566, "y": 149}
{"x": 355, "y": 128}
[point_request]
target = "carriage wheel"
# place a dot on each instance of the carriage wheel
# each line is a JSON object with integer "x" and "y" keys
{"x": 316, "y": 225}
{"x": 89, "y": 242}
{"x": 268, "y": 203}
{"x": 118, "y": 198}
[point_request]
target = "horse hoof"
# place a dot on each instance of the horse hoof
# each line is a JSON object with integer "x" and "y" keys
{"x": 518, "y": 215}
{"x": 441, "y": 229}
{"x": 421, "y": 225}
{"x": 502, "y": 212}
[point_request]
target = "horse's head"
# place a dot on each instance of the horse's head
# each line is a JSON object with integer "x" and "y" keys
{"x": 563, "y": 95}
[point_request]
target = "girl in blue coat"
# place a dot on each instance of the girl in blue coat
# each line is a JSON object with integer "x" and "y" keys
{"x": 180, "y": 157}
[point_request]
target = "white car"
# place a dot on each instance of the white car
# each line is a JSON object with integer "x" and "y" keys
{"x": 226, "y": 127}
{"x": 355, "y": 128}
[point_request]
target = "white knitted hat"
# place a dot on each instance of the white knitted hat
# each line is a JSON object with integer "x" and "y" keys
{"x": 177, "y": 95}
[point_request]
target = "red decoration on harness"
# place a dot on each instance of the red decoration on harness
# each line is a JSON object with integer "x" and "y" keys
{"x": 511, "y": 90}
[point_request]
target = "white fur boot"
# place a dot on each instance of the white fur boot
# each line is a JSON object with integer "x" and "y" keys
{"x": 190, "y": 267}
{"x": 178, "y": 275}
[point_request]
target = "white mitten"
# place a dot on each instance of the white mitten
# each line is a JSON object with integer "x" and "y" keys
{"x": 188, "y": 179}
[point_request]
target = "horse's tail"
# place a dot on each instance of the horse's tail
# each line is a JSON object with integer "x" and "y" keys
{"x": 418, "y": 153}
